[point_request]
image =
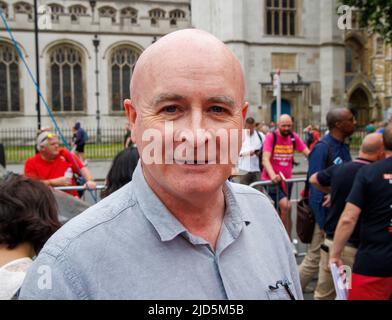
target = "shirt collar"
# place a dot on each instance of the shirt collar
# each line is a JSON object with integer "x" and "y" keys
{"x": 363, "y": 160}
{"x": 166, "y": 225}
{"x": 336, "y": 140}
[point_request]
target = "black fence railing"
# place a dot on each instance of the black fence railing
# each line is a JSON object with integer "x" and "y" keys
{"x": 354, "y": 141}
{"x": 19, "y": 143}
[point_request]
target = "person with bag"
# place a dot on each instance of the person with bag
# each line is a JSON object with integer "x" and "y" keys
{"x": 79, "y": 139}
{"x": 330, "y": 150}
{"x": 249, "y": 161}
{"x": 278, "y": 155}
{"x": 338, "y": 181}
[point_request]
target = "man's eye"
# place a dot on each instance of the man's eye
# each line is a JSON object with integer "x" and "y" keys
{"x": 217, "y": 109}
{"x": 170, "y": 109}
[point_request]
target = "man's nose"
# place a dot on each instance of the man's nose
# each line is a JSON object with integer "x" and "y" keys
{"x": 194, "y": 129}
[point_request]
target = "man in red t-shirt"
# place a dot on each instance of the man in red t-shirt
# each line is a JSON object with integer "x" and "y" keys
{"x": 278, "y": 155}
{"x": 56, "y": 166}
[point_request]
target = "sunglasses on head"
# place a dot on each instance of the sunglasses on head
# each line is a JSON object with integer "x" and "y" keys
{"x": 48, "y": 136}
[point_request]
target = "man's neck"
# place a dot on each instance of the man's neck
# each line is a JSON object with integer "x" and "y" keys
{"x": 21, "y": 251}
{"x": 367, "y": 157}
{"x": 200, "y": 214}
{"x": 388, "y": 154}
{"x": 338, "y": 135}
{"x": 46, "y": 158}
{"x": 203, "y": 218}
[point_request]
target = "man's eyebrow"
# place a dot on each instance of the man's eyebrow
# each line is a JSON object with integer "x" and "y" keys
{"x": 222, "y": 99}
{"x": 176, "y": 97}
{"x": 167, "y": 97}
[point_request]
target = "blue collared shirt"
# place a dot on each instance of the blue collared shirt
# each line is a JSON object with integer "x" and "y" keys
{"x": 129, "y": 246}
{"x": 318, "y": 162}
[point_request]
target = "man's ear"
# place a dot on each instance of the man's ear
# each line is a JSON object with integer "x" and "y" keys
{"x": 245, "y": 110}
{"x": 131, "y": 112}
{"x": 131, "y": 115}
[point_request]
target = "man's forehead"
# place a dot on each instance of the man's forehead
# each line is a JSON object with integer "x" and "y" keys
{"x": 347, "y": 115}
{"x": 184, "y": 56}
{"x": 172, "y": 65}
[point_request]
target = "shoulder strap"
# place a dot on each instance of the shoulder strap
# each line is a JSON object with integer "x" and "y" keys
{"x": 275, "y": 139}
{"x": 259, "y": 135}
{"x": 292, "y": 137}
{"x": 328, "y": 163}
{"x": 292, "y": 140}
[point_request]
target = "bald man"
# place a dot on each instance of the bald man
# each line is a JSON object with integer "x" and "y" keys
{"x": 369, "y": 204}
{"x": 278, "y": 156}
{"x": 338, "y": 181}
{"x": 179, "y": 230}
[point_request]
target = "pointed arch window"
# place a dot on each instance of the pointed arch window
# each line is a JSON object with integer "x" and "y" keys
{"x": 176, "y": 15}
{"x": 4, "y": 7}
{"x": 56, "y": 11}
{"x": 156, "y": 14}
{"x": 129, "y": 14}
{"x": 24, "y": 8}
{"x": 9, "y": 79}
{"x": 108, "y": 12}
{"x": 77, "y": 11}
{"x": 66, "y": 74}
{"x": 122, "y": 62}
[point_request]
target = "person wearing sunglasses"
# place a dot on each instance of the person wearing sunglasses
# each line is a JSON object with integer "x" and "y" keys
{"x": 55, "y": 166}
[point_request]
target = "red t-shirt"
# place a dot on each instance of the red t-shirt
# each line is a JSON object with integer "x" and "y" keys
{"x": 40, "y": 169}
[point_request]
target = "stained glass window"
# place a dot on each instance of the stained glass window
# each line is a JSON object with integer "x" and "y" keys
{"x": 122, "y": 62}
{"x": 66, "y": 78}
{"x": 9, "y": 79}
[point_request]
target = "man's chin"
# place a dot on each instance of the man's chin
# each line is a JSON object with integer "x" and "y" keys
{"x": 197, "y": 188}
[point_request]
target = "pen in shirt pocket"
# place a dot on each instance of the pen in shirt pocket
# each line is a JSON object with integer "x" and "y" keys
{"x": 286, "y": 285}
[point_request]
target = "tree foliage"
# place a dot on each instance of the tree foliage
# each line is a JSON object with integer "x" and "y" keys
{"x": 376, "y": 15}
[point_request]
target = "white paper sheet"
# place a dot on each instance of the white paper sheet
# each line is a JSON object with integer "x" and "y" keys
{"x": 341, "y": 292}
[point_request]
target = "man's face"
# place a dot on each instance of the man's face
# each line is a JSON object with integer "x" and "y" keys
{"x": 347, "y": 124}
{"x": 250, "y": 127}
{"x": 51, "y": 149}
{"x": 285, "y": 126}
{"x": 191, "y": 96}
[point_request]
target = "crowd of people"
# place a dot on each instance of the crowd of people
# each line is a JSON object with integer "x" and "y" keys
{"x": 182, "y": 230}
{"x": 338, "y": 204}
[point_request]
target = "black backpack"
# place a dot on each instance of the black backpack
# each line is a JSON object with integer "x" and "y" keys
{"x": 309, "y": 139}
{"x": 260, "y": 152}
{"x": 305, "y": 217}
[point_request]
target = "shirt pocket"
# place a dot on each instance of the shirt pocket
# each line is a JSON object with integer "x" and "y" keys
{"x": 279, "y": 294}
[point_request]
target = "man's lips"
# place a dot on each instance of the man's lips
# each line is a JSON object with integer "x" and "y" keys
{"x": 194, "y": 162}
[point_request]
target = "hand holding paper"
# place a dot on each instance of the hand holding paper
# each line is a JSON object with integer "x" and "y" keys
{"x": 339, "y": 282}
